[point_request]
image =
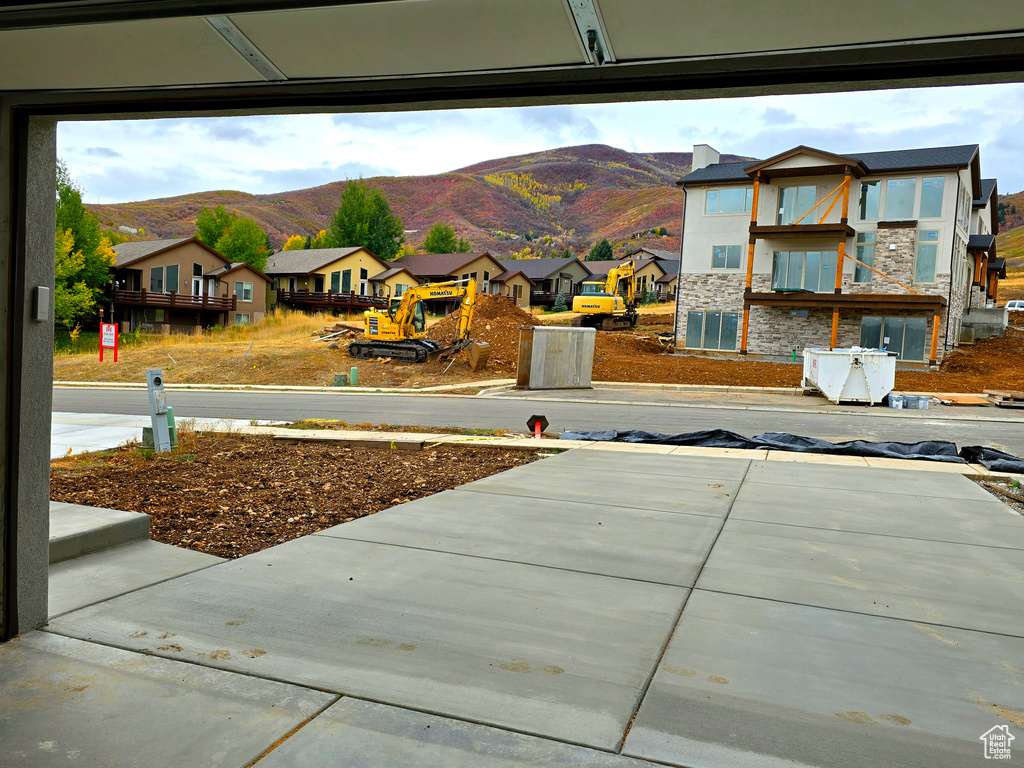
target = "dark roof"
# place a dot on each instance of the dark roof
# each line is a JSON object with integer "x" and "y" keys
{"x": 539, "y": 269}
{"x": 508, "y": 274}
{"x": 308, "y": 261}
{"x": 671, "y": 267}
{"x": 998, "y": 266}
{"x": 661, "y": 255}
{"x": 126, "y": 253}
{"x": 389, "y": 273}
{"x": 436, "y": 264}
{"x": 876, "y": 162}
{"x": 980, "y": 242}
{"x": 987, "y": 185}
{"x": 227, "y": 268}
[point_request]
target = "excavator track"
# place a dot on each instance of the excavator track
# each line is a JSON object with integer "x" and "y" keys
{"x": 412, "y": 351}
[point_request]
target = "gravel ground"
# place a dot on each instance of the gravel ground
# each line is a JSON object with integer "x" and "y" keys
{"x": 231, "y": 495}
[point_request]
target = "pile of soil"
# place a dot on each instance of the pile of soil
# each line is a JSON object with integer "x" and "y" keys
{"x": 231, "y": 495}
{"x": 497, "y": 321}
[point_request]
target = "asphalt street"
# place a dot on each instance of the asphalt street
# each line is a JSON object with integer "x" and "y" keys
{"x": 512, "y": 413}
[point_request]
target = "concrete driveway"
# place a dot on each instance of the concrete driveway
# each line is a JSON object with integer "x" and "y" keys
{"x": 597, "y": 608}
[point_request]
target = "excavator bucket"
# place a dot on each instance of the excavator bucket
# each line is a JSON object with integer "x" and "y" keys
{"x": 478, "y": 353}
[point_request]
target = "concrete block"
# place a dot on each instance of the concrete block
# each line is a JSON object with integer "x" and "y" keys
{"x": 751, "y": 683}
{"x": 76, "y": 530}
{"x": 537, "y": 650}
{"x": 68, "y": 702}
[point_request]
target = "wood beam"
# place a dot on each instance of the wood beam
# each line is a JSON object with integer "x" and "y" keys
{"x": 935, "y": 338}
{"x": 746, "y": 324}
{"x": 846, "y": 198}
{"x": 977, "y": 269}
{"x": 826, "y": 197}
{"x": 835, "y": 328}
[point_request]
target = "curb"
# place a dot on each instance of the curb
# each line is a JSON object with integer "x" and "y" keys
{"x": 494, "y": 383}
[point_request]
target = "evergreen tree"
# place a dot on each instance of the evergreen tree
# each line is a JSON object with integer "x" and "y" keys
{"x": 560, "y": 305}
{"x": 602, "y": 251}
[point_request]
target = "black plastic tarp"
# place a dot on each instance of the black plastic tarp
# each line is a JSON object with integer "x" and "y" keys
{"x": 992, "y": 459}
{"x": 926, "y": 450}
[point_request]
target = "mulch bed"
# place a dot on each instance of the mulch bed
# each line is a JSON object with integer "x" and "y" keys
{"x": 231, "y": 495}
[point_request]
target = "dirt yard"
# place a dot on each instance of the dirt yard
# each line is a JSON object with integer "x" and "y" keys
{"x": 230, "y": 495}
{"x": 282, "y": 350}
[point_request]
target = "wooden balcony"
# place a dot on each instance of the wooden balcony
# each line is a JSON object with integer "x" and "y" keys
{"x": 838, "y": 229}
{"x": 174, "y": 300}
{"x": 343, "y": 301}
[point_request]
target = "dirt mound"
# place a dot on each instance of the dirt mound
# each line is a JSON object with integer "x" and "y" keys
{"x": 497, "y": 321}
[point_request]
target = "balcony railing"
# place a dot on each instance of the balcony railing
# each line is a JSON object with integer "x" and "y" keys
{"x": 174, "y": 300}
{"x": 331, "y": 300}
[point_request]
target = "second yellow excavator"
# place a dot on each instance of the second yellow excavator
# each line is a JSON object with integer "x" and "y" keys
{"x": 400, "y": 331}
{"x": 602, "y": 303}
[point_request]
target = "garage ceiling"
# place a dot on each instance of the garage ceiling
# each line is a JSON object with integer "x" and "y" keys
{"x": 142, "y": 43}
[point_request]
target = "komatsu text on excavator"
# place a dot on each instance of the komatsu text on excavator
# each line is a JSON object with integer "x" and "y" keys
{"x": 602, "y": 305}
{"x": 400, "y": 331}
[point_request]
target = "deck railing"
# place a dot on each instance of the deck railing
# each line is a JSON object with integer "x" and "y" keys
{"x": 174, "y": 300}
{"x": 331, "y": 300}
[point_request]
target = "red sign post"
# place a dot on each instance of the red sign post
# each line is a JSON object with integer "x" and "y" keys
{"x": 108, "y": 339}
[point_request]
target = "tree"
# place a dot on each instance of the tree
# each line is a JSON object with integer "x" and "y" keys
{"x": 211, "y": 226}
{"x": 295, "y": 243}
{"x": 560, "y": 305}
{"x": 601, "y": 252}
{"x": 442, "y": 239}
{"x": 364, "y": 218}
{"x": 321, "y": 239}
{"x": 663, "y": 232}
{"x": 72, "y": 298}
{"x": 244, "y": 241}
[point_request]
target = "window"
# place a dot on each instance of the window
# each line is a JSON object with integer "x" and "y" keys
{"x": 870, "y": 194}
{"x": 903, "y": 335}
{"x": 865, "y": 253}
{"x": 811, "y": 271}
{"x": 363, "y": 274}
{"x": 335, "y": 282}
{"x": 927, "y": 253}
{"x": 318, "y": 283}
{"x": 400, "y": 288}
{"x": 734, "y": 200}
{"x": 964, "y": 209}
{"x": 243, "y": 291}
{"x": 241, "y": 318}
{"x": 150, "y": 315}
{"x": 487, "y": 280}
{"x": 172, "y": 278}
{"x": 711, "y": 330}
{"x": 726, "y": 256}
{"x": 156, "y": 280}
{"x": 899, "y": 198}
{"x": 931, "y": 197}
{"x": 794, "y": 202}
{"x": 346, "y": 281}
{"x": 197, "y": 270}
{"x": 276, "y": 285}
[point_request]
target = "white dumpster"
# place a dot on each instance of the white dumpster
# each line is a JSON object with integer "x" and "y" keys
{"x": 855, "y": 375}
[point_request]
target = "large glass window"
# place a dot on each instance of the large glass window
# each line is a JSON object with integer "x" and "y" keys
{"x": 899, "y": 199}
{"x": 794, "y": 202}
{"x": 346, "y": 281}
{"x": 903, "y": 335}
{"x": 156, "y": 279}
{"x": 729, "y": 200}
{"x": 931, "y": 197}
{"x": 927, "y": 254}
{"x": 711, "y": 330}
{"x": 866, "y": 254}
{"x": 812, "y": 271}
{"x": 335, "y": 282}
{"x": 172, "y": 278}
{"x": 870, "y": 195}
{"x": 726, "y": 256}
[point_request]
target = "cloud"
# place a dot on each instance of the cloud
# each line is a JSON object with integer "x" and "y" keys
{"x": 236, "y": 132}
{"x": 288, "y": 179}
{"x": 102, "y": 152}
{"x": 560, "y": 125}
{"x": 776, "y": 116}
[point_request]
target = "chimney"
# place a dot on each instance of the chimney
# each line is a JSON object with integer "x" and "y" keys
{"x": 703, "y": 156}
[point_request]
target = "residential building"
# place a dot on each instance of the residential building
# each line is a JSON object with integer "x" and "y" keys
{"x": 332, "y": 279}
{"x": 550, "y": 277}
{"x": 665, "y": 286}
{"x": 514, "y": 284}
{"x": 393, "y": 282}
{"x": 182, "y": 285}
{"x": 815, "y": 249}
{"x": 441, "y": 267}
{"x": 646, "y": 271}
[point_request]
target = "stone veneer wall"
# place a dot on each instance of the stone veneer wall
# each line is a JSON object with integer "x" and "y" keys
{"x": 708, "y": 292}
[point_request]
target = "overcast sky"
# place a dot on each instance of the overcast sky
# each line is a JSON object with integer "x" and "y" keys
{"x": 143, "y": 159}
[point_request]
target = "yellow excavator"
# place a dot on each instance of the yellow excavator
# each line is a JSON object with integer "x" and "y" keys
{"x": 602, "y": 305}
{"x": 400, "y": 331}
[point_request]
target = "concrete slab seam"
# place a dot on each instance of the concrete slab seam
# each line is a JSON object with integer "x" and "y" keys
{"x": 679, "y": 617}
{"x": 614, "y": 506}
{"x": 858, "y": 613}
{"x": 293, "y": 731}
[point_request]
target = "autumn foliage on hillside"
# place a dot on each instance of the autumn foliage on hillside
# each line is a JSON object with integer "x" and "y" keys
{"x": 567, "y": 197}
